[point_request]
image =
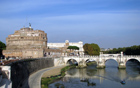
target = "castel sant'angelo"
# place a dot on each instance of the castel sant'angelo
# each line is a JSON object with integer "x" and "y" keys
{"x": 29, "y": 43}
{"x": 26, "y": 43}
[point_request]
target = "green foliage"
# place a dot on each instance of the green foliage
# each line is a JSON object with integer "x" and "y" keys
{"x": 46, "y": 81}
{"x": 91, "y": 49}
{"x": 2, "y": 47}
{"x": 73, "y": 47}
{"x": 133, "y": 50}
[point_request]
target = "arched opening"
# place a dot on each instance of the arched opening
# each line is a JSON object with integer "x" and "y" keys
{"x": 111, "y": 63}
{"x": 134, "y": 61}
{"x": 72, "y": 62}
{"x": 111, "y": 67}
{"x": 91, "y": 64}
{"x": 133, "y": 67}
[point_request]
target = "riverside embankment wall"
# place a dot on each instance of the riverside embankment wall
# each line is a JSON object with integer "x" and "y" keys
{"x": 21, "y": 70}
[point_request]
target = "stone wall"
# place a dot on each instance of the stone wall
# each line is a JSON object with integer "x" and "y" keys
{"x": 22, "y": 69}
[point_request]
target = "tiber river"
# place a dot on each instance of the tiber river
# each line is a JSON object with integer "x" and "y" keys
{"x": 110, "y": 77}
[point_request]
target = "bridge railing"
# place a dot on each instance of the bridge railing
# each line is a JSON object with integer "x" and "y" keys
{"x": 83, "y": 56}
{"x": 96, "y": 56}
{"x": 90, "y": 56}
{"x": 131, "y": 56}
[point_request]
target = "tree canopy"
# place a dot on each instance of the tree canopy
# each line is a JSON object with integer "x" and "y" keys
{"x": 73, "y": 47}
{"x": 133, "y": 50}
{"x": 2, "y": 46}
{"x": 91, "y": 49}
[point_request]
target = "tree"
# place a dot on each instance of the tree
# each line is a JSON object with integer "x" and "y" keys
{"x": 96, "y": 49}
{"x": 88, "y": 49}
{"x": 73, "y": 47}
{"x": 133, "y": 50}
{"x": 91, "y": 49}
{"x": 2, "y": 47}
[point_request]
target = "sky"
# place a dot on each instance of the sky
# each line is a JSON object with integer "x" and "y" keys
{"x": 108, "y": 23}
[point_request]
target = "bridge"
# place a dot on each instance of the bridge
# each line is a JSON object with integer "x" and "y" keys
{"x": 100, "y": 60}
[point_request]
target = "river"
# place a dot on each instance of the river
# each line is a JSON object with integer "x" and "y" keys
{"x": 110, "y": 77}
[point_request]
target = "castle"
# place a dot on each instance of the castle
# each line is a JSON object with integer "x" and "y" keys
{"x": 26, "y": 43}
{"x": 29, "y": 43}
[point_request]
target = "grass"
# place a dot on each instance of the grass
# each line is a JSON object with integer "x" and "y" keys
{"x": 48, "y": 80}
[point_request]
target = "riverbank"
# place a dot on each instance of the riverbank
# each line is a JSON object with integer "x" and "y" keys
{"x": 53, "y": 75}
{"x": 34, "y": 80}
{"x": 52, "y": 72}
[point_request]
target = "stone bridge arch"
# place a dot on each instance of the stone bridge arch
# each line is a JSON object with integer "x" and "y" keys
{"x": 80, "y": 60}
{"x": 91, "y": 59}
{"x": 131, "y": 58}
{"x": 72, "y": 60}
{"x": 112, "y": 58}
{"x": 66, "y": 59}
{"x": 103, "y": 59}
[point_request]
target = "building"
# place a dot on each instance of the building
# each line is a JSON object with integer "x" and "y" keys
{"x": 63, "y": 47}
{"x": 103, "y": 49}
{"x": 26, "y": 43}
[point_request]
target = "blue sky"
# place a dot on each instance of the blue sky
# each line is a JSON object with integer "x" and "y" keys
{"x": 108, "y": 23}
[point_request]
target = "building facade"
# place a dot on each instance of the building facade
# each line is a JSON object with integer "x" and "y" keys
{"x": 63, "y": 47}
{"x": 26, "y": 43}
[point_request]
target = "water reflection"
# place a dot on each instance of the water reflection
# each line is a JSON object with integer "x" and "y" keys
{"x": 90, "y": 71}
{"x": 72, "y": 72}
{"x": 109, "y": 77}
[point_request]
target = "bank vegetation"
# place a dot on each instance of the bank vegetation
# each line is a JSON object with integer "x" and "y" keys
{"x": 45, "y": 81}
{"x": 133, "y": 50}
